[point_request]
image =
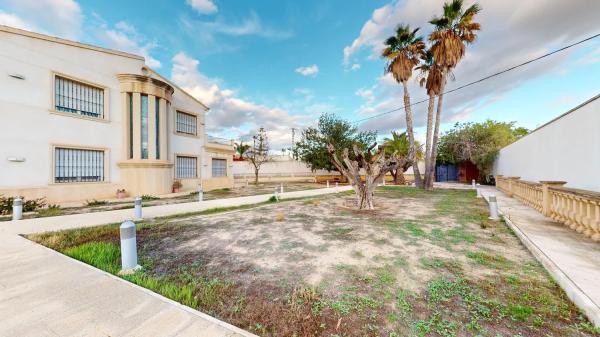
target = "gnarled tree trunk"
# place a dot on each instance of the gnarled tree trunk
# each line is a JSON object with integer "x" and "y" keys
{"x": 375, "y": 166}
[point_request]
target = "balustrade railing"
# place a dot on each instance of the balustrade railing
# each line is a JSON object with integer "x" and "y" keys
{"x": 578, "y": 209}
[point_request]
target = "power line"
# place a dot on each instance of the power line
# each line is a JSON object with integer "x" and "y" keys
{"x": 482, "y": 79}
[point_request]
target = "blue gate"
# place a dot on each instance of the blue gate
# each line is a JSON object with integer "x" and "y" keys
{"x": 446, "y": 173}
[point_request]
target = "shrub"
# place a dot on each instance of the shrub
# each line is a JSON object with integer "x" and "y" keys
{"x": 273, "y": 199}
{"x": 147, "y": 197}
{"x": 6, "y": 204}
{"x": 94, "y": 203}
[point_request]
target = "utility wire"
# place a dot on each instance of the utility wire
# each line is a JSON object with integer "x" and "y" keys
{"x": 482, "y": 79}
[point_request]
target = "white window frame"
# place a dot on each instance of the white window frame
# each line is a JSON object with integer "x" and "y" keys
{"x": 191, "y": 114}
{"x": 176, "y": 166}
{"x": 106, "y": 103}
{"x": 212, "y": 167}
{"x": 106, "y": 163}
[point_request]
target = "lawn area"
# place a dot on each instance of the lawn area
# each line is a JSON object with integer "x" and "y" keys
{"x": 422, "y": 264}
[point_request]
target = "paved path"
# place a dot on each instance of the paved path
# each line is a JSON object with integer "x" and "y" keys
{"x": 44, "y": 293}
{"x": 572, "y": 259}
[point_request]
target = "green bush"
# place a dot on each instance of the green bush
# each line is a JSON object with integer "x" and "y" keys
{"x": 94, "y": 203}
{"x": 6, "y": 204}
{"x": 147, "y": 197}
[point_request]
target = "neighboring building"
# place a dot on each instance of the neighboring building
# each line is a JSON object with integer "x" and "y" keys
{"x": 566, "y": 149}
{"x": 78, "y": 122}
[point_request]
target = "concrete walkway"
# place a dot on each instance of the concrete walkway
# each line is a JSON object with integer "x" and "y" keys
{"x": 572, "y": 259}
{"x": 44, "y": 293}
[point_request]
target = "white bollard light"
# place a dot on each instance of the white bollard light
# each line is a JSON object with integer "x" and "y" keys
{"x": 478, "y": 192}
{"x": 473, "y": 183}
{"x": 17, "y": 209}
{"x": 138, "y": 207}
{"x": 281, "y": 188}
{"x": 493, "y": 207}
{"x": 276, "y": 193}
{"x": 327, "y": 183}
{"x": 128, "y": 247}
{"x": 200, "y": 194}
{"x": 337, "y": 189}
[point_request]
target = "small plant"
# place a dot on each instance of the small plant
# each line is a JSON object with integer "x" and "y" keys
{"x": 51, "y": 210}
{"x": 121, "y": 193}
{"x": 177, "y": 185}
{"x": 147, "y": 197}
{"x": 94, "y": 203}
{"x": 273, "y": 199}
{"x": 6, "y": 204}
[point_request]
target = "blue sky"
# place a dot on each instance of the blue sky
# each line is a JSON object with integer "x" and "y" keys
{"x": 279, "y": 64}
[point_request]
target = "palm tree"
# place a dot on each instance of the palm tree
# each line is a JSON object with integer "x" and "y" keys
{"x": 399, "y": 146}
{"x": 241, "y": 149}
{"x": 453, "y": 31}
{"x": 403, "y": 52}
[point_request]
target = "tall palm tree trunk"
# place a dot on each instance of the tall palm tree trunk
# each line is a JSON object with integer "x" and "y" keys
{"x": 428, "y": 141}
{"x": 412, "y": 152}
{"x": 429, "y": 179}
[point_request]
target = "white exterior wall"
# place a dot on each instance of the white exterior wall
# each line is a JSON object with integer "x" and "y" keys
{"x": 566, "y": 149}
{"x": 28, "y": 128}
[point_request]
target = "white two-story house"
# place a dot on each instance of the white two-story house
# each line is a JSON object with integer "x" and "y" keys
{"x": 78, "y": 122}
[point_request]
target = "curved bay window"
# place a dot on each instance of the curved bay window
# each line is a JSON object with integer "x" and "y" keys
{"x": 146, "y": 102}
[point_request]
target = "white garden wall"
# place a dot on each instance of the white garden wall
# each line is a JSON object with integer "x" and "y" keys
{"x": 567, "y": 148}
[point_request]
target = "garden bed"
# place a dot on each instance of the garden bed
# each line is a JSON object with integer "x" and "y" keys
{"x": 421, "y": 264}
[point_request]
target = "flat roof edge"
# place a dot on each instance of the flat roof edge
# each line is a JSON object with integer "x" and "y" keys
{"x": 17, "y": 31}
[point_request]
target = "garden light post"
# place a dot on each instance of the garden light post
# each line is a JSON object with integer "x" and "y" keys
{"x": 327, "y": 183}
{"x": 281, "y": 188}
{"x": 276, "y": 194}
{"x": 200, "y": 193}
{"x": 128, "y": 247}
{"x": 337, "y": 189}
{"x": 138, "y": 207}
{"x": 473, "y": 183}
{"x": 478, "y": 192}
{"x": 493, "y": 207}
{"x": 17, "y": 212}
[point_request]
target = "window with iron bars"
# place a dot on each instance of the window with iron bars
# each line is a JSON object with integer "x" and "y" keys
{"x": 79, "y": 98}
{"x": 185, "y": 167}
{"x": 219, "y": 167}
{"x": 78, "y": 165}
{"x": 186, "y": 123}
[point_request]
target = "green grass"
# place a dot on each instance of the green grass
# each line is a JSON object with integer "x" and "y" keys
{"x": 50, "y": 211}
{"x": 105, "y": 256}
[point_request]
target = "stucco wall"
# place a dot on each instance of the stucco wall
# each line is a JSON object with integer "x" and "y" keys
{"x": 29, "y": 126}
{"x": 566, "y": 149}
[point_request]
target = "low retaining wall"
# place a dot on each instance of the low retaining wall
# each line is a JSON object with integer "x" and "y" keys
{"x": 577, "y": 209}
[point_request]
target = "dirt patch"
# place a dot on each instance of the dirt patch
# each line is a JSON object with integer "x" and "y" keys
{"x": 421, "y": 264}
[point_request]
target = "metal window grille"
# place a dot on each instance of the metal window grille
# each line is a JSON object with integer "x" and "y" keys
{"x": 79, "y": 98}
{"x": 186, "y": 123}
{"x": 77, "y": 165}
{"x": 219, "y": 167}
{"x": 186, "y": 167}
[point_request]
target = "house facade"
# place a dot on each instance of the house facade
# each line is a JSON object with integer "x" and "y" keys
{"x": 78, "y": 122}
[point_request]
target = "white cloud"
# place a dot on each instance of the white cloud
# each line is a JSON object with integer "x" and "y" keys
{"x": 355, "y": 66}
{"x": 230, "y": 114}
{"x": 124, "y": 36}
{"x": 57, "y": 17}
{"x": 543, "y": 25}
{"x": 250, "y": 26}
{"x": 13, "y": 20}
{"x": 308, "y": 71}
{"x": 203, "y": 6}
